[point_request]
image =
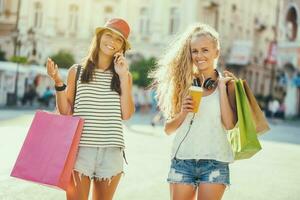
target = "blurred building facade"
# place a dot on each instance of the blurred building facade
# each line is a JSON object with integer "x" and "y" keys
{"x": 288, "y": 54}
{"x": 248, "y": 30}
{"x": 8, "y": 18}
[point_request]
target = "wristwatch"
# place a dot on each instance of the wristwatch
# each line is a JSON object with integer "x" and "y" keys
{"x": 60, "y": 88}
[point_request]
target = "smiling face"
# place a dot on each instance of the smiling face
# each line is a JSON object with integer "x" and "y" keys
{"x": 204, "y": 52}
{"x": 111, "y": 43}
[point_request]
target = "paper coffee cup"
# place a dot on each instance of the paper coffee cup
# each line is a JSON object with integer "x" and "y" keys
{"x": 196, "y": 94}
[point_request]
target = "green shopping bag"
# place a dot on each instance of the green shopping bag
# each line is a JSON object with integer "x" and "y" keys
{"x": 243, "y": 137}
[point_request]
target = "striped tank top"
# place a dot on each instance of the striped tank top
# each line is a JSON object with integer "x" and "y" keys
{"x": 100, "y": 107}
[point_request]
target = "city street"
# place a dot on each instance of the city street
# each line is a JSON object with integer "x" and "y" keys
{"x": 272, "y": 174}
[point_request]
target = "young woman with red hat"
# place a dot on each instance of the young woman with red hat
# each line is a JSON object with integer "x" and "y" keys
{"x": 103, "y": 98}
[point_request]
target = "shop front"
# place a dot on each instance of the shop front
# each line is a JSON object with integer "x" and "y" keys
{"x": 289, "y": 65}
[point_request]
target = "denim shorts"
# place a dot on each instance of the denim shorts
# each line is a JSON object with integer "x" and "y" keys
{"x": 195, "y": 172}
{"x": 99, "y": 163}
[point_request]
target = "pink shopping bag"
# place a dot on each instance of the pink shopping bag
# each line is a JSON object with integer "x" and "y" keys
{"x": 49, "y": 150}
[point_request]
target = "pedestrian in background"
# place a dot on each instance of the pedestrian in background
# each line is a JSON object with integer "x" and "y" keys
{"x": 281, "y": 110}
{"x": 201, "y": 152}
{"x": 103, "y": 99}
{"x": 29, "y": 95}
{"x": 46, "y": 97}
{"x": 273, "y": 107}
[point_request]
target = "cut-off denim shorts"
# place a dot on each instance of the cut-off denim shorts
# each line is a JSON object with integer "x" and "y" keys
{"x": 99, "y": 163}
{"x": 195, "y": 172}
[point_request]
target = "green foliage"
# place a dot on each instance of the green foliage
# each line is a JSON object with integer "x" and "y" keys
{"x": 139, "y": 70}
{"x": 63, "y": 59}
{"x": 19, "y": 59}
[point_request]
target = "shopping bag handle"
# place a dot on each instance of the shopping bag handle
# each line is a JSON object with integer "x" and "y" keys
{"x": 76, "y": 79}
{"x": 231, "y": 98}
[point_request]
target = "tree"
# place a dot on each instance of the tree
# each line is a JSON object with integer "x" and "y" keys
{"x": 63, "y": 59}
{"x": 140, "y": 70}
{"x": 18, "y": 59}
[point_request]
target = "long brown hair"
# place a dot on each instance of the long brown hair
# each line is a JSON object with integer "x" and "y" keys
{"x": 91, "y": 61}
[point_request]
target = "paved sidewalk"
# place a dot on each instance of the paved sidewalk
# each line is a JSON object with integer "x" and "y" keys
{"x": 272, "y": 174}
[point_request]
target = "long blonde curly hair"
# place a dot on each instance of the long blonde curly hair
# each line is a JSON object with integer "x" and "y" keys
{"x": 174, "y": 70}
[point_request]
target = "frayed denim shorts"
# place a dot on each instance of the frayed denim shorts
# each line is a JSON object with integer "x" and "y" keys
{"x": 99, "y": 163}
{"x": 195, "y": 172}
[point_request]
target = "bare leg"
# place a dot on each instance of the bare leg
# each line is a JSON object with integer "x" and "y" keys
{"x": 79, "y": 187}
{"x": 104, "y": 190}
{"x": 182, "y": 192}
{"x": 211, "y": 191}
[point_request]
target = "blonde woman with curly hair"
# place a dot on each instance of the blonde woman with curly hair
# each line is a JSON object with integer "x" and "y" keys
{"x": 200, "y": 153}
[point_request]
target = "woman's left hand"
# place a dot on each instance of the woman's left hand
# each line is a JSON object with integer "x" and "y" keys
{"x": 228, "y": 76}
{"x": 121, "y": 65}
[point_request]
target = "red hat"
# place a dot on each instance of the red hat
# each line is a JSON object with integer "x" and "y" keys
{"x": 118, "y": 26}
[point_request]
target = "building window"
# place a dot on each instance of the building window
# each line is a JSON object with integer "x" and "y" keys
{"x": 73, "y": 18}
{"x": 248, "y": 33}
{"x": 291, "y": 24}
{"x": 250, "y": 79}
{"x": 108, "y": 9}
{"x": 244, "y": 74}
{"x": 241, "y": 31}
{"x": 233, "y": 7}
{"x": 108, "y": 13}
{"x": 174, "y": 20}
{"x": 38, "y": 15}
{"x": 144, "y": 21}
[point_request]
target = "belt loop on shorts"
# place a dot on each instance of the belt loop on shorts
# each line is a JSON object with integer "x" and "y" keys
{"x": 125, "y": 157}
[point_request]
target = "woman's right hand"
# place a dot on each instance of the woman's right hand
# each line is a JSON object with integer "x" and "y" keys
{"x": 52, "y": 71}
{"x": 187, "y": 105}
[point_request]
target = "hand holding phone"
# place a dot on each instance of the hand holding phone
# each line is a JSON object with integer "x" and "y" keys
{"x": 120, "y": 64}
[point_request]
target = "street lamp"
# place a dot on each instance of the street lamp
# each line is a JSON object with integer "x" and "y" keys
{"x": 12, "y": 97}
{"x": 32, "y": 39}
{"x": 16, "y": 36}
{"x": 18, "y": 45}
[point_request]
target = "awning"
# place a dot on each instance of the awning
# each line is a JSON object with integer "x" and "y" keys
{"x": 289, "y": 53}
{"x": 10, "y": 67}
{"x": 240, "y": 53}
